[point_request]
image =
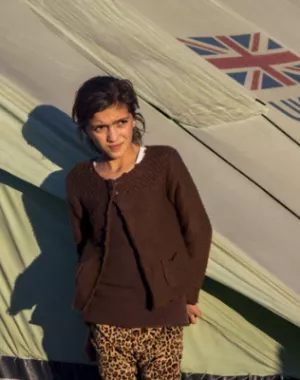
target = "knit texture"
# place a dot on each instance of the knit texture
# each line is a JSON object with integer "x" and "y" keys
{"x": 165, "y": 219}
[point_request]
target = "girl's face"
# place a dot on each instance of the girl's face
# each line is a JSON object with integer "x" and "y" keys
{"x": 111, "y": 130}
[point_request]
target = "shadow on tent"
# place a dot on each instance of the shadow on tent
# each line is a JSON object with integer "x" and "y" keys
{"x": 47, "y": 283}
{"x": 282, "y": 331}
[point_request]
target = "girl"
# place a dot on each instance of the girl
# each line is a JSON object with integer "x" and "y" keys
{"x": 142, "y": 234}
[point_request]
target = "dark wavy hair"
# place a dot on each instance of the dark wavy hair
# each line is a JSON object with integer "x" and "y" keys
{"x": 100, "y": 93}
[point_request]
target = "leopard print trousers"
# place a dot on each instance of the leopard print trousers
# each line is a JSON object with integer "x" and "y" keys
{"x": 138, "y": 353}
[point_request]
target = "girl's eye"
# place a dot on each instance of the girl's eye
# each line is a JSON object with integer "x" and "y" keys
{"x": 98, "y": 128}
{"x": 123, "y": 122}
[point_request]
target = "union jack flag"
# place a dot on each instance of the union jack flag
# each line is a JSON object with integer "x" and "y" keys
{"x": 253, "y": 59}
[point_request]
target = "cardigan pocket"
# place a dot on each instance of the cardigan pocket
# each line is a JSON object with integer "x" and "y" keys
{"x": 175, "y": 269}
{"x": 86, "y": 275}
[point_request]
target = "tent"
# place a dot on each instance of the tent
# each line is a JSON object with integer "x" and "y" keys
{"x": 219, "y": 81}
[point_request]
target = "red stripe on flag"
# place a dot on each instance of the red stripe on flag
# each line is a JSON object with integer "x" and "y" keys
{"x": 233, "y": 45}
{"x": 200, "y": 46}
{"x": 293, "y": 68}
{"x": 255, "y": 80}
{"x": 255, "y": 43}
{"x": 279, "y": 76}
{"x": 248, "y": 60}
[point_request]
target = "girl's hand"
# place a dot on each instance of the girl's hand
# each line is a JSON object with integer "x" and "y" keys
{"x": 193, "y": 312}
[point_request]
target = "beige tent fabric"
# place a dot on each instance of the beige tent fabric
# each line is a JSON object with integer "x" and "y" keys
{"x": 295, "y": 2}
{"x": 262, "y": 152}
{"x": 274, "y": 23}
{"x": 123, "y": 42}
{"x": 232, "y": 267}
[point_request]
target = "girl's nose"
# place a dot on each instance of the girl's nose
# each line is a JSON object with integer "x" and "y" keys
{"x": 111, "y": 134}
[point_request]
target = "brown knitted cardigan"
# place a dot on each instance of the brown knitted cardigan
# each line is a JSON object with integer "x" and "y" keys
{"x": 165, "y": 218}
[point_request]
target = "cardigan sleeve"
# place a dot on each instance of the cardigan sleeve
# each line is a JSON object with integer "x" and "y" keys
{"x": 194, "y": 223}
{"x": 76, "y": 214}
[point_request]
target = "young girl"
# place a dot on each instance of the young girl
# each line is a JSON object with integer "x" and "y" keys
{"x": 142, "y": 234}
